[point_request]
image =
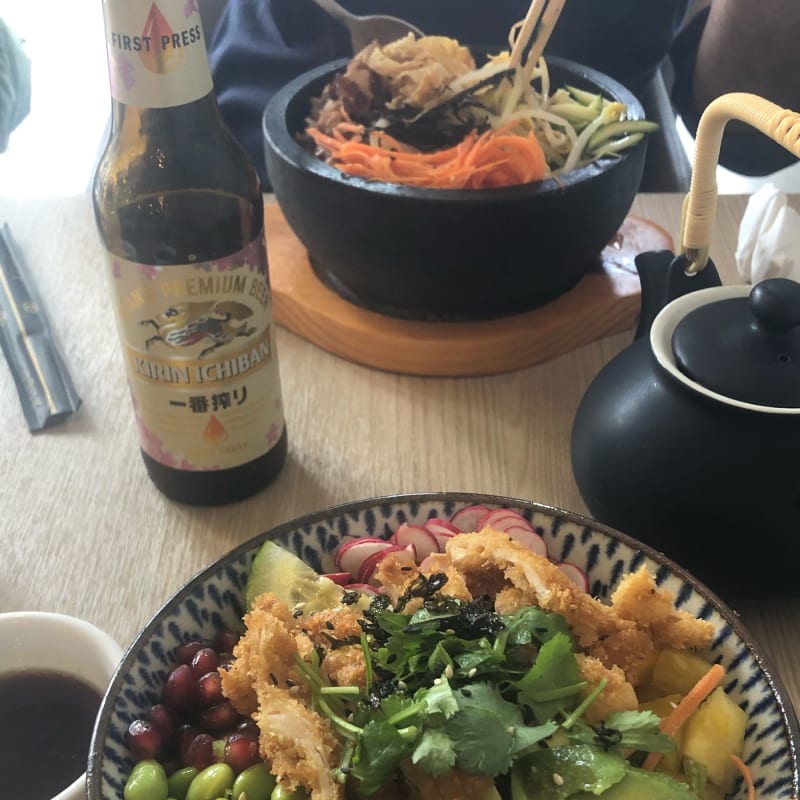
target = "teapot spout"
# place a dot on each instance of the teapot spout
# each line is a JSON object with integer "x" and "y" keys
{"x": 663, "y": 277}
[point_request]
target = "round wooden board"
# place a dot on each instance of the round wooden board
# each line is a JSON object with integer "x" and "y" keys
{"x": 605, "y": 301}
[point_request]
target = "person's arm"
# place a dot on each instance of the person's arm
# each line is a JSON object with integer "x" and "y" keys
{"x": 739, "y": 46}
{"x": 750, "y": 46}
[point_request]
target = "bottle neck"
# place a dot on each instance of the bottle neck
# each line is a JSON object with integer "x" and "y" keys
{"x": 156, "y": 54}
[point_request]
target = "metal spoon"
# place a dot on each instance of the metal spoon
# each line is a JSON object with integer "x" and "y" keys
{"x": 369, "y": 28}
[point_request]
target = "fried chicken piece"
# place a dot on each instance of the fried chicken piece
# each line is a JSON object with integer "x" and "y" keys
{"x": 343, "y": 664}
{"x": 265, "y": 652}
{"x": 537, "y": 581}
{"x": 617, "y": 695}
{"x": 637, "y": 597}
{"x": 456, "y": 785}
{"x": 627, "y": 633}
{"x": 297, "y": 742}
{"x": 395, "y": 573}
{"x": 456, "y": 585}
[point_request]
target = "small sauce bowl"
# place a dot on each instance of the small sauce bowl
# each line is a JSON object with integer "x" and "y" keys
{"x": 54, "y": 648}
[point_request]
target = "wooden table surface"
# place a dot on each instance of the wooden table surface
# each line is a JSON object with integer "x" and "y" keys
{"x": 84, "y": 532}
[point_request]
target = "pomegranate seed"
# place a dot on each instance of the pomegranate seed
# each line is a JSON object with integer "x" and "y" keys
{"x": 185, "y": 652}
{"x": 186, "y": 735}
{"x": 219, "y": 718}
{"x": 163, "y": 720}
{"x": 209, "y": 688}
{"x": 200, "y": 753}
{"x": 241, "y": 752}
{"x": 204, "y": 661}
{"x": 144, "y": 740}
{"x": 225, "y": 641}
{"x": 248, "y": 728}
{"x": 180, "y": 690}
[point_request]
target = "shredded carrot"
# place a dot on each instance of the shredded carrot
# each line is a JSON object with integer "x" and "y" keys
{"x": 686, "y": 707}
{"x": 747, "y": 775}
{"x": 490, "y": 159}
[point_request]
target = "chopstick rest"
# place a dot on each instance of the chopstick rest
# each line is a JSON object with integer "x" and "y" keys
{"x": 43, "y": 382}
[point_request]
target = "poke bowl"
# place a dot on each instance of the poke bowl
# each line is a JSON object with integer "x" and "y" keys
{"x": 442, "y": 254}
{"x": 594, "y": 557}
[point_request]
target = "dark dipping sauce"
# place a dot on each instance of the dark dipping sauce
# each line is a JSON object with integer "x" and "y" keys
{"x": 46, "y": 722}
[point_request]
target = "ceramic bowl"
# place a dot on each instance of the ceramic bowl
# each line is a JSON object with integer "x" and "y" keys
{"x": 447, "y": 254}
{"x": 40, "y": 641}
{"x": 214, "y": 599}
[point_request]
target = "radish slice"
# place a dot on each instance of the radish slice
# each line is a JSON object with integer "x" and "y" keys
{"x": 503, "y": 518}
{"x": 351, "y": 555}
{"x": 529, "y": 538}
{"x": 575, "y": 574}
{"x": 442, "y": 538}
{"x": 435, "y": 524}
{"x": 340, "y": 578}
{"x": 371, "y": 562}
{"x": 422, "y": 539}
{"x": 466, "y": 519}
{"x": 442, "y": 531}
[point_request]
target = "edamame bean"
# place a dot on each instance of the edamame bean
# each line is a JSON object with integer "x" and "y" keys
{"x": 147, "y": 781}
{"x": 218, "y": 749}
{"x": 282, "y": 793}
{"x": 255, "y": 783}
{"x": 179, "y": 782}
{"x": 211, "y": 783}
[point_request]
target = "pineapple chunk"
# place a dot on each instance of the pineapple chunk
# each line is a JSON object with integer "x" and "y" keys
{"x": 677, "y": 671}
{"x": 712, "y": 734}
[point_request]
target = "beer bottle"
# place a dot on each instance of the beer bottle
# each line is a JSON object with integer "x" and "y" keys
{"x": 179, "y": 211}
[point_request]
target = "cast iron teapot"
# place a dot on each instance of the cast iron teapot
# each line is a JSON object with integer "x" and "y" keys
{"x": 689, "y": 440}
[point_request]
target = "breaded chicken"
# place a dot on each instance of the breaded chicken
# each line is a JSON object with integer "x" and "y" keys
{"x": 264, "y": 653}
{"x": 297, "y": 742}
{"x": 490, "y": 562}
{"x": 617, "y": 694}
{"x": 327, "y": 631}
{"x": 637, "y": 597}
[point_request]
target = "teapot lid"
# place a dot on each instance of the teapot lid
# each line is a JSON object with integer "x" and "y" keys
{"x": 745, "y": 348}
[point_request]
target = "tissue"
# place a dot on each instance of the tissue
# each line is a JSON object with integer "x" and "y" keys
{"x": 769, "y": 238}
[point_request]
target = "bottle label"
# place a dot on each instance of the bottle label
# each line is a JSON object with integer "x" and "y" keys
{"x": 199, "y": 347}
{"x": 156, "y": 52}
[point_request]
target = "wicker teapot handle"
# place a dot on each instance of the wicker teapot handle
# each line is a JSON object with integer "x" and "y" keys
{"x": 700, "y": 204}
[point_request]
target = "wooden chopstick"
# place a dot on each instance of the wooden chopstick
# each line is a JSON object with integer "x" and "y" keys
{"x": 542, "y": 17}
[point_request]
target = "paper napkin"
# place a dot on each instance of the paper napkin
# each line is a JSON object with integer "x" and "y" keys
{"x": 769, "y": 238}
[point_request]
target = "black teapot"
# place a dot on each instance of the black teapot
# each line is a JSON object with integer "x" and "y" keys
{"x": 689, "y": 440}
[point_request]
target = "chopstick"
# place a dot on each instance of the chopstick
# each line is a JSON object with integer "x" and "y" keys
{"x": 541, "y": 17}
{"x": 44, "y": 385}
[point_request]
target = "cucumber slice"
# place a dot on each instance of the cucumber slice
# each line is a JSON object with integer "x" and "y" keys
{"x": 290, "y": 579}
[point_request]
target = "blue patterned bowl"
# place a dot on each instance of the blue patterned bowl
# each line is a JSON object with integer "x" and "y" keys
{"x": 214, "y": 599}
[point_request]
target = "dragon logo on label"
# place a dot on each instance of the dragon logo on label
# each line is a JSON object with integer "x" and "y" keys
{"x": 188, "y": 324}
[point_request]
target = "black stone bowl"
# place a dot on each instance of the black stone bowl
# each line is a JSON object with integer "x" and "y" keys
{"x": 447, "y": 253}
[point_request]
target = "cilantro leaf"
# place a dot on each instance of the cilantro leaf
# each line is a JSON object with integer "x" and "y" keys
{"x": 553, "y": 680}
{"x": 531, "y": 624}
{"x": 634, "y": 730}
{"x": 379, "y": 751}
{"x": 434, "y": 752}
{"x": 439, "y": 699}
{"x": 488, "y": 731}
{"x": 640, "y": 731}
